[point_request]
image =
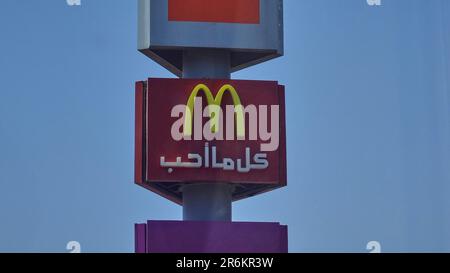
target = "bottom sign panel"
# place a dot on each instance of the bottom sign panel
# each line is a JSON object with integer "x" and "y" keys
{"x": 210, "y": 131}
{"x": 210, "y": 237}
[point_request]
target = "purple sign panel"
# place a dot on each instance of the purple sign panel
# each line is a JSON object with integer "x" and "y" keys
{"x": 210, "y": 237}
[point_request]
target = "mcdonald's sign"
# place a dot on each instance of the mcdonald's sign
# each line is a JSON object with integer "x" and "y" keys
{"x": 214, "y": 131}
{"x": 217, "y": 101}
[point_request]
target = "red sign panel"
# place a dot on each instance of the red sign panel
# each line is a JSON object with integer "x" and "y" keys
{"x": 190, "y": 131}
{"x": 217, "y": 11}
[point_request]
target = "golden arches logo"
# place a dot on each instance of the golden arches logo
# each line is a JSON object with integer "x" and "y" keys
{"x": 214, "y": 104}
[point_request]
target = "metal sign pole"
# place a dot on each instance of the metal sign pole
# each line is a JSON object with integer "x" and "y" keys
{"x": 207, "y": 202}
{"x": 203, "y": 48}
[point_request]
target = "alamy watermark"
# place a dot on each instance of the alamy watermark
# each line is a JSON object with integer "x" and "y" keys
{"x": 73, "y": 2}
{"x": 73, "y": 247}
{"x": 374, "y": 247}
{"x": 374, "y": 2}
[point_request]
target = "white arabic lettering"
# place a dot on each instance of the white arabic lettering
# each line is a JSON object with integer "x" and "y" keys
{"x": 196, "y": 161}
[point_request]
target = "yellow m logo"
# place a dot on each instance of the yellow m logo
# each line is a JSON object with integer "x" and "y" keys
{"x": 213, "y": 105}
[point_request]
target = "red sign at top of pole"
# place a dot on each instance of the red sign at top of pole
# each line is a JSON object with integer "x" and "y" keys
{"x": 216, "y": 11}
{"x": 252, "y": 30}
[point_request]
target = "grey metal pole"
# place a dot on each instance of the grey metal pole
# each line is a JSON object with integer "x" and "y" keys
{"x": 206, "y": 63}
{"x": 207, "y": 201}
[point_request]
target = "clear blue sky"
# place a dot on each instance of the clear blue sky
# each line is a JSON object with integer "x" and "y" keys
{"x": 367, "y": 110}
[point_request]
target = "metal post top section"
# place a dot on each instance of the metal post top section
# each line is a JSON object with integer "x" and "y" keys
{"x": 206, "y": 63}
{"x": 252, "y": 33}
